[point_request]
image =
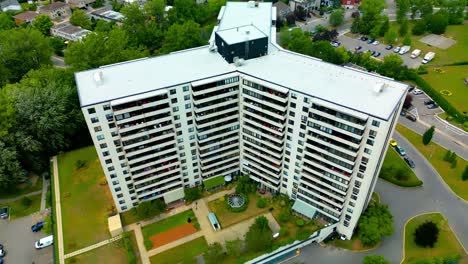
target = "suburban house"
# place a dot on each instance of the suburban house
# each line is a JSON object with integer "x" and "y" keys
{"x": 69, "y": 32}
{"x": 308, "y": 5}
{"x": 81, "y": 3}
{"x": 107, "y": 14}
{"x": 27, "y": 17}
{"x": 10, "y": 5}
{"x": 56, "y": 10}
{"x": 282, "y": 10}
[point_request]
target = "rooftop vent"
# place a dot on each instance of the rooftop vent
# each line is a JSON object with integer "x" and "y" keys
{"x": 251, "y": 4}
{"x": 98, "y": 77}
{"x": 379, "y": 88}
{"x": 238, "y": 62}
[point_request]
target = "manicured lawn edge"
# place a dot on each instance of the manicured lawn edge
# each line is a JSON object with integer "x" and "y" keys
{"x": 213, "y": 182}
{"x": 181, "y": 254}
{"x": 392, "y": 158}
{"x": 17, "y": 209}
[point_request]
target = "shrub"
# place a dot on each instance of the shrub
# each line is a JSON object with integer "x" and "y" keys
{"x": 300, "y": 222}
{"x": 47, "y": 229}
{"x": 422, "y": 70}
{"x": 283, "y": 231}
{"x": 448, "y": 156}
{"x": 453, "y": 163}
{"x": 426, "y": 234}
{"x": 262, "y": 203}
{"x": 26, "y": 201}
{"x": 303, "y": 234}
{"x": 402, "y": 175}
{"x": 192, "y": 194}
{"x": 465, "y": 174}
{"x": 374, "y": 259}
{"x": 80, "y": 164}
{"x": 284, "y": 216}
{"x": 427, "y": 136}
{"x": 148, "y": 244}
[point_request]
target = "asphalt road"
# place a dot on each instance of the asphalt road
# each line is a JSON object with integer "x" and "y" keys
{"x": 404, "y": 203}
{"x": 18, "y": 240}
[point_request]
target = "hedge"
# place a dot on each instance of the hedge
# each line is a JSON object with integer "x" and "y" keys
{"x": 402, "y": 183}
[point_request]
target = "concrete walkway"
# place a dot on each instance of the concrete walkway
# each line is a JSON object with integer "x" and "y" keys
{"x": 140, "y": 241}
{"x": 89, "y": 248}
{"x": 58, "y": 213}
{"x": 9, "y": 200}
{"x": 45, "y": 187}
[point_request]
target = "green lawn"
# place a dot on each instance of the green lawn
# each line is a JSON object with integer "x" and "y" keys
{"x": 34, "y": 183}
{"x": 184, "y": 253}
{"x": 452, "y": 79}
{"x": 213, "y": 182}
{"x": 227, "y": 218}
{"x": 17, "y": 209}
{"x": 85, "y": 199}
{"x": 447, "y": 244}
{"x": 114, "y": 253}
{"x": 435, "y": 154}
{"x": 392, "y": 163}
{"x": 168, "y": 223}
{"x": 354, "y": 244}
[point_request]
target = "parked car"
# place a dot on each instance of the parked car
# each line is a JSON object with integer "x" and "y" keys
{"x": 417, "y": 92}
{"x": 393, "y": 143}
{"x": 38, "y": 226}
{"x": 376, "y": 54}
{"x": 2, "y": 252}
{"x": 409, "y": 161}
{"x": 4, "y": 212}
{"x": 335, "y": 43}
{"x": 397, "y": 49}
{"x": 402, "y": 113}
{"x": 428, "y": 57}
{"x": 389, "y": 47}
{"x": 358, "y": 48}
{"x": 432, "y": 106}
{"x": 428, "y": 102}
{"x": 411, "y": 117}
{"x": 411, "y": 88}
{"x": 375, "y": 43}
{"x": 400, "y": 150}
{"x": 369, "y": 41}
{"x": 404, "y": 50}
{"x": 44, "y": 242}
{"x": 364, "y": 38}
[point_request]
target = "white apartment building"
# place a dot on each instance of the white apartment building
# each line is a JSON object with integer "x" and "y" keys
{"x": 314, "y": 131}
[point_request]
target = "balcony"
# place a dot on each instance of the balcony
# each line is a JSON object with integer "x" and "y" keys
{"x": 220, "y": 145}
{"x": 228, "y": 119}
{"x": 336, "y": 136}
{"x": 159, "y": 176}
{"x": 216, "y": 102}
{"x": 150, "y": 127}
{"x": 130, "y": 105}
{"x": 264, "y": 152}
{"x": 281, "y": 115}
{"x": 222, "y": 172}
{"x": 340, "y": 115}
{"x": 277, "y": 123}
{"x": 209, "y": 138}
{"x": 273, "y": 169}
{"x": 332, "y": 179}
{"x": 218, "y": 130}
{"x": 215, "y": 85}
{"x": 266, "y": 181}
{"x": 221, "y": 160}
{"x": 222, "y": 138}
{"x": 163, "y": 156}
{"x": 231, "y": 109}
{"x": 265, "y": 134}
{"x": 217, "y": 93}
{"x": 275, "y": 105}
{"x": 328, "y": 159}
{"x": 325, "y": 190}
{"x": 325, "y": 166}
{"x": 158, "y": 189}
{"x": 319, "y": 195}
{"x": 331, "y": 143}
{"x": 154, "y": 141}
{"x": 140, "y": 121}
{"x": 319, "y": 206}
{"x": 343, "y": 128}
{"x": 164, "y": 163}
{"x": 224, "y": 151}
{"x": 329, "y": 152}
{"x": 126, "y": 117}
{"x": 265, "y": 91}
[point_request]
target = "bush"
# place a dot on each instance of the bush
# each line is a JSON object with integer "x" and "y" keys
{"x": 427, "y": 136}
{"x": 303, "y": 234}
{"x": 422, "y": 70}
{"x": 448, "y": 156}
{"x": 426, "y": 234}
{"x": 284, "y": 216}
{"x": 26, "y": 201}
{"x": 374, "y": 259}
{"x": 402, "y": 175}
{"x": 148, "y": 244}
{"x": 47, "y": 228}
{"x": 80, "y": 164}
{"x": 465, "y": 174}
{"x": 283, "y": 231}
{"x": 300, "y": 222}
{"x": 192, "y": 194}
{"x": 453, "y": 164}
{"x": 262, "y": 203}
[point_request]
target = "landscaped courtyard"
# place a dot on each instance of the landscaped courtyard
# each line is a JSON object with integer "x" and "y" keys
{"x": 85, "y": 199}
{"x": 446, "y": 245}
{"x": 396, "y": 171}
{"x": 24, "y": 206}
{"x": 184, "y": 253}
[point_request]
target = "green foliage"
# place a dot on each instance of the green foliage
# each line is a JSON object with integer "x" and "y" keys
{"x": 423, "y": 6}
{"x": 422, "y": 69}
{"x": 98, "y": 3}
{"x": 43, "y": 23}
{"x": 234, "y": 247}
{"x": 150, "y": 208}
{"x": 237, "y": 209}
{"x": 391, "y": 36}
{"x": 244, "y": 185}
{"x": 403, "y": 9}
{"x": 259, "y": 236}
{"x": 7, "y": 114}
{"x": 47, "y": 228}
{"x": 337, "y": 17}
{"x": 57, "y": 45}
{"x": 192, "y": 194}
{"x": 448, "y": 156}
{"x": 80, "y": 164}
{"x": 80, "y": 18}
{"x": 407, "y": 40}
{"x": 148, "y": 243}
{"x": 437, "y": 260}
{"x": 303, "y": 234}
{"x": 401, "y": 175}
{"x": 372, "y": 10}
{"x": 300, "y": 222}
{"x": 385, "y": 26}
{"x": 214, "y": 254}
{"x": 455, "y": 9}
{"x": 427, "y": 136}
{"x": 403, "y": 28}
{"x": 261, "y": 203}
{"x": 26, "y": 201}
{"x": 6, "y": 21}
{"x": 438, "y": 22}
{"x": 182, "y": 36}
{"x": 374, "y": 259}
{"x": 420, "y": 27}
{"x": 131, "y": 257}
{"x": 465, "y": 174}
{"x": 391, "y": 66}
{"x": 356, "y": 24}
{"x": 375, "y": 223}
{"x": 285, "y": 215}
{"x": 22, "y": 50}
{"x": 453, "y": 163}
{"x": 426, "y": 234}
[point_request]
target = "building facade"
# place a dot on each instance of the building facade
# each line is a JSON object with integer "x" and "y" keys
{"x": 311, "y": 130}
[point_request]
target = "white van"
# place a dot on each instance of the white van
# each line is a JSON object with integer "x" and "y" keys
{"x": 44, "y": 242}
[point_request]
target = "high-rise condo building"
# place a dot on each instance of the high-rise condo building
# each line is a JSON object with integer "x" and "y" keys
{"x": 314, "y": 131}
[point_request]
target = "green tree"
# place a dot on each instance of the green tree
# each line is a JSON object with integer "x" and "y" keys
{"x": 385, "y": 26}
{"x": 234, "y": 247}
{"x": 448, "y": 156}
{"x": 356, "y": 24}
{"x": 182, "y": 36}
{"x": 407, "y": 40}
{"x": 80, "y": 18}
{"x": 57, "y": 45}
{"x": 453, "y": 163}
{"x": 102, "y": 48}
{"x": 420, "y": 27}
{"x": 22, "y": 50}
{"x": 426, "y": 234}
{"x": 214, "y": 254}
{"x": 192, "y": 194}
{"x": 391, "y": 65}
{"x": 455, "y": 9}
{"x": 43, "y": 23}
{"x": 261, "y": 203}
{"x": 371, "y": 14}
{"x": 7, "y": 114}
{"x": 103, "y": 26}
{"x": 11, "y": 171}
{"x": 259, "y": 236}
{"x": 6, "y": 21}
{"x": 427, "y": 136}
{"x": 465, "y": 174}
{"x": 156, "y": 10}
{"x": 375, "y": 223}
{"x": 438, "y": 22}
{"x": 425, "y": 7}
{"x": 375, "y": 31}
{"x": 403, "y": 28}
{"x": 98, "y": 3}
{"x": 374, "y": 259}
{"x": 391, "y": 36}
{"x": 337, "y": 17}
{"x": 403, "y": 9}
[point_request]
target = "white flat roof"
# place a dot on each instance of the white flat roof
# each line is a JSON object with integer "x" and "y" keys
{"x": 240, "y": 34}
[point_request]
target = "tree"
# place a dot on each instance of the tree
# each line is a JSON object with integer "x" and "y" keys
{"x": 259, "y": 236}
{"x": 261, "y": 203}
{"x": 391, "y": 36}
{"x": 426, "y": 234}
{"x": 465, "y": 174}
{"x": 290, "y": 19}
{"x": 427, "y": 136}
{"x": 150, "y": 208}
{"x": 403, "y": 28}
{"x": 385, "y": 26}
{"x": 448, "y": 156}
{"x": 403, "y": 9}
{"x": 375, "y": 31}
{"x": 420, "y": 27}
{"x": 80, "y": 18}
{"x": 6, "y": 22}
{"x": 375, "y": 223}
{"x": 327, "y": 35}
{"x": 214, "y": 254}
{"x": 182, "y": 36}
{"x": 408, "y": 101}
{"x": 391, "y": 65}
{"x": 453, "y": 163}
{"x": 374, "y": 259}
{"x": 7, "y": 114}
{"x": 98, "y": 3}
{"x": 244, "y": 185}
{"x": 43, "y": 23}
{"x": 11, "y": 171}
{"x": 22, "y": 50}
{"x": 337, "y": 17}
{"x": 438, "y": 22}
{"x": 300, "y": 13}
{"x": 356, "y": 24}
{"x": 455, "y": 9}
{"x": 57, "y": 45}
{"x": 407, "y": 40}
{"x": 234, "y": 247}
{"x": 371, "y": 14}
{"x": 192, "y": 194}
{"x": 102, "y": 48}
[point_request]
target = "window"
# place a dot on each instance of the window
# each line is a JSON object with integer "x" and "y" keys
{"x": 288, "y": 137}
{"x": 94, "y": 120}
{"x": 293, "y": 105}
{"x": 175, "y": 108}
{"x": 123, "y": 208}
{"x": 189, "y": 114}
{"x": 192, "y": 137}
{"x": 100, "y": 137}
{"x": 103, "y": 145}
{"x": 114, "y": 133}
{"x": 346, "y": 223}
{"x": 176, "y": 117}
{"x": 119, "y": 195}
{"x": 302, "y": 135}
{"x": 182, "y": 154}
{"x": 135, "y": 203}
{"x": 113, "y": 176}
{"x": 108, "y": 161}
{"x": 291, "y": 122}
{"x": 110, "y": 117}
{"x": 118, "y": 189}
{"x": 119, "y": 149}
{"x": 305, "y": 109}
{"x": 117, "y": 142}
{"x": 191, "y": 129}
{"x": 188, "y": 106}
{"x": 352, "y": 204}
{"x": 172, "y": 91}
{"x": 111, "y": 168}
{"x": 304, "y": 119}
{"x": 306, "y": 100}
{"x": 111, "y": 125}
{"x": 121, "y": 157}
{"x": 181, "y": 147}
{"x": 291, "y": 113}
{"x": 354, "y": 197}
{"x": 372, "y": 133}
{"x": 174, "y": 100}
{"x": 286, "y": 166}
{"x": 303, "y": 126}
{"x": 106, "y": 107}
{"x": 183, "y": 161}
{"x": 293, "y": 95}
{"x": 368, "y": 151}
{"x": 284, "y": 185}
{"x": 375, "y": 123}
{"x": 290, "y": 130}
{"x": 179, "y": 133}
{"x": 91, "y": 110}
{"x": 189, "y": 122}
{"x": 186, "y": 97}
{"x": 178, "y": 125}
{"x": 180, "y": 140}
{"x": 128, "y": 178}
{"x": 123, "y": 165}
{"x": 185, "y": 88}
{"x": 115, "y": 182}
{"x": 370, "y": 142}
{"x": 97, "y": 129}
{"x": 360, "y": 175}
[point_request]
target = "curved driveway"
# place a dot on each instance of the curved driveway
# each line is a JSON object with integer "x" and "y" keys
{"x": 404, "y": 203}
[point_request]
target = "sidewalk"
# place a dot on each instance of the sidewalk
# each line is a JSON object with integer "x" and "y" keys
{"x": 58, "y": 212}
{"x": 45, "y": 187}
{"x": 89, "y": 248}
{"x": 9, "y": 200}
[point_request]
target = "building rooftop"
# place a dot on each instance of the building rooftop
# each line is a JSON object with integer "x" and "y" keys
{"x": 354, "y": 89}
{"x": 52, "y": 7}
{"x": 240, "y": 34}
{"x": 6, "y": 3}
{"x": 26, "y": 15}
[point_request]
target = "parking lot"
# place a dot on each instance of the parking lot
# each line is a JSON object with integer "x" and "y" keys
{"x": 352, "y": 43}
{"x": 18, "y": 241}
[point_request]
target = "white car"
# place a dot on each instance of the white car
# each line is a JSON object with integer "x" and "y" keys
{"x": 396, "y": 50}
{"x": 417, "y": 92}
{"x": 375, "y": 43}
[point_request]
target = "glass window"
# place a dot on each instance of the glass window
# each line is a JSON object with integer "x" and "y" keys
{"x": 188, "y": 106}
{"x": 94, "y": 120}
{"x": 97, "y": 129}
{"x": 106, "y": 107}
{"x": 175, "y": 108}
{"x": 375, "y": 123}
{"x": 174, "y": 100}
{"x": 100, "y": 137}
{"x": 103, "y": 145}
{"x": 186, "y": 97}
{"x": 172, "y": 91}
{"x": 185, "y": 88}
{"x": 91, "y": 110}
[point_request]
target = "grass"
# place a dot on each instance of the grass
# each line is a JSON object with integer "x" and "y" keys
{"x": 135, "y": 249}
{"x": 34, "y": 183}
{"x": 213, "y": 182}
{"x": 435, "y": 154}
{"x": 392, "y": 163}
{"x": 85, "y": 199}
{"x": 167, "y": 224}
{"x": 447, "y": 244}
{"x": 451, "y": 78}
{"x": 184, "y": 253}
{"x": 453, "y": 122}
{"x": 227, "y": 218}
{"x": 17, "y": 209}
{"x": 114, "y": 253}
{"x": 353, "y": 244}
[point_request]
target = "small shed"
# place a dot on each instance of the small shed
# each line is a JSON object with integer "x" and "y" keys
{"x": 115, "y": 225}
{"x": 214, "y": 222}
